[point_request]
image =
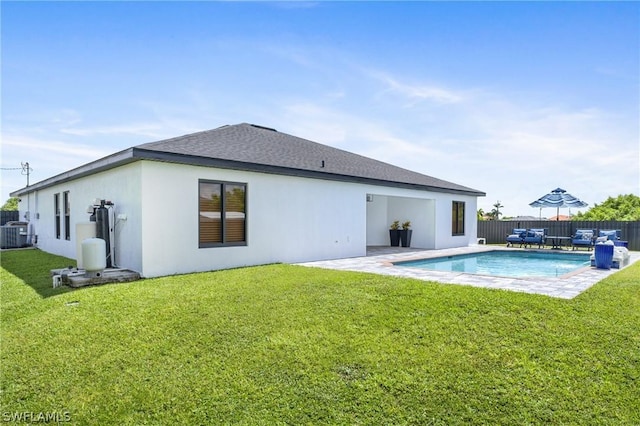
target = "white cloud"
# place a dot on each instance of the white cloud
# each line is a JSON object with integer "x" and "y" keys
{"x": 150, "y": 130}
{"x": 46, "y": 157}
{"x": 38, "y": 117}
{"x": 162, "y": 120}
{"x": 364, "y": 135}
{"x": 417, "y": 92}
{"x": 14, "y": 144}
{"x": 531, "y": 151}
{"x": 513, "y": 149}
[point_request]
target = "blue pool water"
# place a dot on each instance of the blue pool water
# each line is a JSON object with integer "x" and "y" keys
{"x": 506, "y": 264}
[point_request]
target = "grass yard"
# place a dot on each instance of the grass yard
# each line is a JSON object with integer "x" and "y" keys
{"x": 294, "y": 345}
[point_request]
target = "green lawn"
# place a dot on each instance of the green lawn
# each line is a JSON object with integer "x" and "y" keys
{"x": 295, "y": 345}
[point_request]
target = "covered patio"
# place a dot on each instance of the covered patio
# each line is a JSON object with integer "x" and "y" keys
{"x": 382, "y": 210}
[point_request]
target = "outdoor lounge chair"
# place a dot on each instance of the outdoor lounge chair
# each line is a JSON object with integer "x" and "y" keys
{"x": 535, "y": 236}
{"x": 516, "y": 237}
{"x": 583, "y": 238}
{"x": 611, "y": 234}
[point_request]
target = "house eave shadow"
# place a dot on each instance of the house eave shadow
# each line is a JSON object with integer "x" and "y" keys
{"x": 33, "y": 267}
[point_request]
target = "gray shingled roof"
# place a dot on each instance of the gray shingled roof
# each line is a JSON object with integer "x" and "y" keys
{"x": 250, "y": 147}
{"x": 256, "y": 148}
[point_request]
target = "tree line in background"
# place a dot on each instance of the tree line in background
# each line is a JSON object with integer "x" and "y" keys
{"x": 623, "y": 208}
{"x": 494, "y": 214}
{"x": 10, "y": 205}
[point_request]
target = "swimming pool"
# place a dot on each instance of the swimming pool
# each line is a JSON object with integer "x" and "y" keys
{"x": 506, "y": 264}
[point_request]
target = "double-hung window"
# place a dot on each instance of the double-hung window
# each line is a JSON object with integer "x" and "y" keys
{"x": 222, "y": 213}
{"x": 457, "y": 218}
{"x": 56, "y": 210}
{"x": 67, "y": 215}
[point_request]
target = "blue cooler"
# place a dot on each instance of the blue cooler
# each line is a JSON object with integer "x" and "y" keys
{"x": 604, "y": 255}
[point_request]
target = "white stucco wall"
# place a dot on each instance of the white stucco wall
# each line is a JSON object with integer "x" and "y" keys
{"x": 288, "y": 220}
{"x": 377, "y": 221}
{"x": 121, "y": 185}
{"x": 444, "y": 239}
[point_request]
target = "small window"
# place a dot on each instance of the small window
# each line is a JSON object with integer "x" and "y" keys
{"x": 222, "y": 213}
{"x": 457, "y": 218}
{"x": 67, "y": 215}
{"x": 56, "y": 210}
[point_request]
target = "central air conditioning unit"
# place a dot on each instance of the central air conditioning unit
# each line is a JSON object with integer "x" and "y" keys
{"x": 13, "y": 235}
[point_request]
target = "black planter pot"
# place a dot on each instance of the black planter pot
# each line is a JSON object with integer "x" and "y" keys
{"x": 394, "y": 236}
{"x": 405, "y": 237}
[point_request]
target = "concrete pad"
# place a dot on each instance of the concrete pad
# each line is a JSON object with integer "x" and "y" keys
{"x": 79, "y": 278}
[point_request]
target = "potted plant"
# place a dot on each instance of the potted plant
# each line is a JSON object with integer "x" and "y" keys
{"x": 394, "y": 233}
{"x": 405, "y": 234}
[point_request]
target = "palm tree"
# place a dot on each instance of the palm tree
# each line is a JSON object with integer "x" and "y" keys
{"x": 480, "y": 214}
{"x": 495, "y": 213}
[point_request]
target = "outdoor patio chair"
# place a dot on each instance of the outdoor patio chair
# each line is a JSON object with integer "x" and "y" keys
{"x": 583, "y": 238}
{"x": 535, "y": 236}
{"x": 516, "y": 237}
{"x": 611, "y": 234}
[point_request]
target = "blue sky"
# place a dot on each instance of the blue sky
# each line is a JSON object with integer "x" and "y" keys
{"x": 511, "y": 98}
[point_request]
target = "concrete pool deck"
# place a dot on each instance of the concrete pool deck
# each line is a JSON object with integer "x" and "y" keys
{"x": 379, "y": 260}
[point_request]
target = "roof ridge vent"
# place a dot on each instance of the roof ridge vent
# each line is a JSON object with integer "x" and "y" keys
{"x": 262, "y": 127}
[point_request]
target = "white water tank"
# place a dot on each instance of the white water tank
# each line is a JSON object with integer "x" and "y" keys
{"x": 94, "y": 254}
{"x": 84, "y": 230}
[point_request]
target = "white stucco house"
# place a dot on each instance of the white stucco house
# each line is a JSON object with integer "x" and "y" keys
{"x": 245, "y": 195}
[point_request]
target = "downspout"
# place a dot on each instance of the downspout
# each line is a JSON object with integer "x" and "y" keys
{"x": 36, "y": 217}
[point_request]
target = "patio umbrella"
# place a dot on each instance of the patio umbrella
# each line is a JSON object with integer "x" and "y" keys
{"x": 558, "y": 198}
